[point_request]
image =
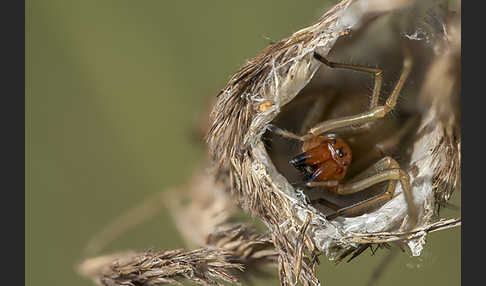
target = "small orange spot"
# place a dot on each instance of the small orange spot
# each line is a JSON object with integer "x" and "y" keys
{"x": 345, "y": 32}
{"x": 265, "y": 105}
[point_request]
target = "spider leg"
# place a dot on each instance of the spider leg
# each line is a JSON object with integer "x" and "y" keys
{"x": 377, "y": 74}
{"x": 376, "y": 111}
{"x": 326, "y": 203}
{"x": 387, "y": 145}
{"x": 284, "y": 133}
{"x": 311, "y": 117}
{"x": 326, "y": 184}
{"x": 384, "y": 147}
{"x": 317, "y": 110}
{"x": 387, "y": 169}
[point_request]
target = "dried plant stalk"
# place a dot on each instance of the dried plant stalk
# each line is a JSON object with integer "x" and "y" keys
{"x": 382, "y": 237}
{"x": 199, "y": 207}
{"x": 200, "y": 210}
{"x": 202, "y": 266}
{"x": 232, "y": 250}
{"x": 247, "y": 246}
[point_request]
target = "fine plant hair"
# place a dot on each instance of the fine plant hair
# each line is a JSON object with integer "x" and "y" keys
{"x": 241, "y": 173}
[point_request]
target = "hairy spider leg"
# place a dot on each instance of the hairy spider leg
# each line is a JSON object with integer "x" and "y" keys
{"x": 386, "y": 169}
{"x": 376, "y": 111}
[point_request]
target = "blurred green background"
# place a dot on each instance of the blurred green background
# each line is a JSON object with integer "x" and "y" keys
{"x": 114, "y": 89}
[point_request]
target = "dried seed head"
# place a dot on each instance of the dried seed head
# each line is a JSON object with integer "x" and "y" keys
{"x": 201, "y": 266}
{"x": 263, "y": 90}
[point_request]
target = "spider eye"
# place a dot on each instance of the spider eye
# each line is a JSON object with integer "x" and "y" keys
{"x": 340, "y": 152}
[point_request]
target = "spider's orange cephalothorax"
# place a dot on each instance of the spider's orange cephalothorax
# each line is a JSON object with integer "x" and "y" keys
{"x": 328, "y": 156}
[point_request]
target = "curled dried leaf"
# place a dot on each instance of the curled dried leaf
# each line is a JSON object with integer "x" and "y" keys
{"x": 285, "y": 72}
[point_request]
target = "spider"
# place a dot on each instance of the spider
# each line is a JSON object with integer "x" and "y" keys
{"x": 326, "y": 157}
